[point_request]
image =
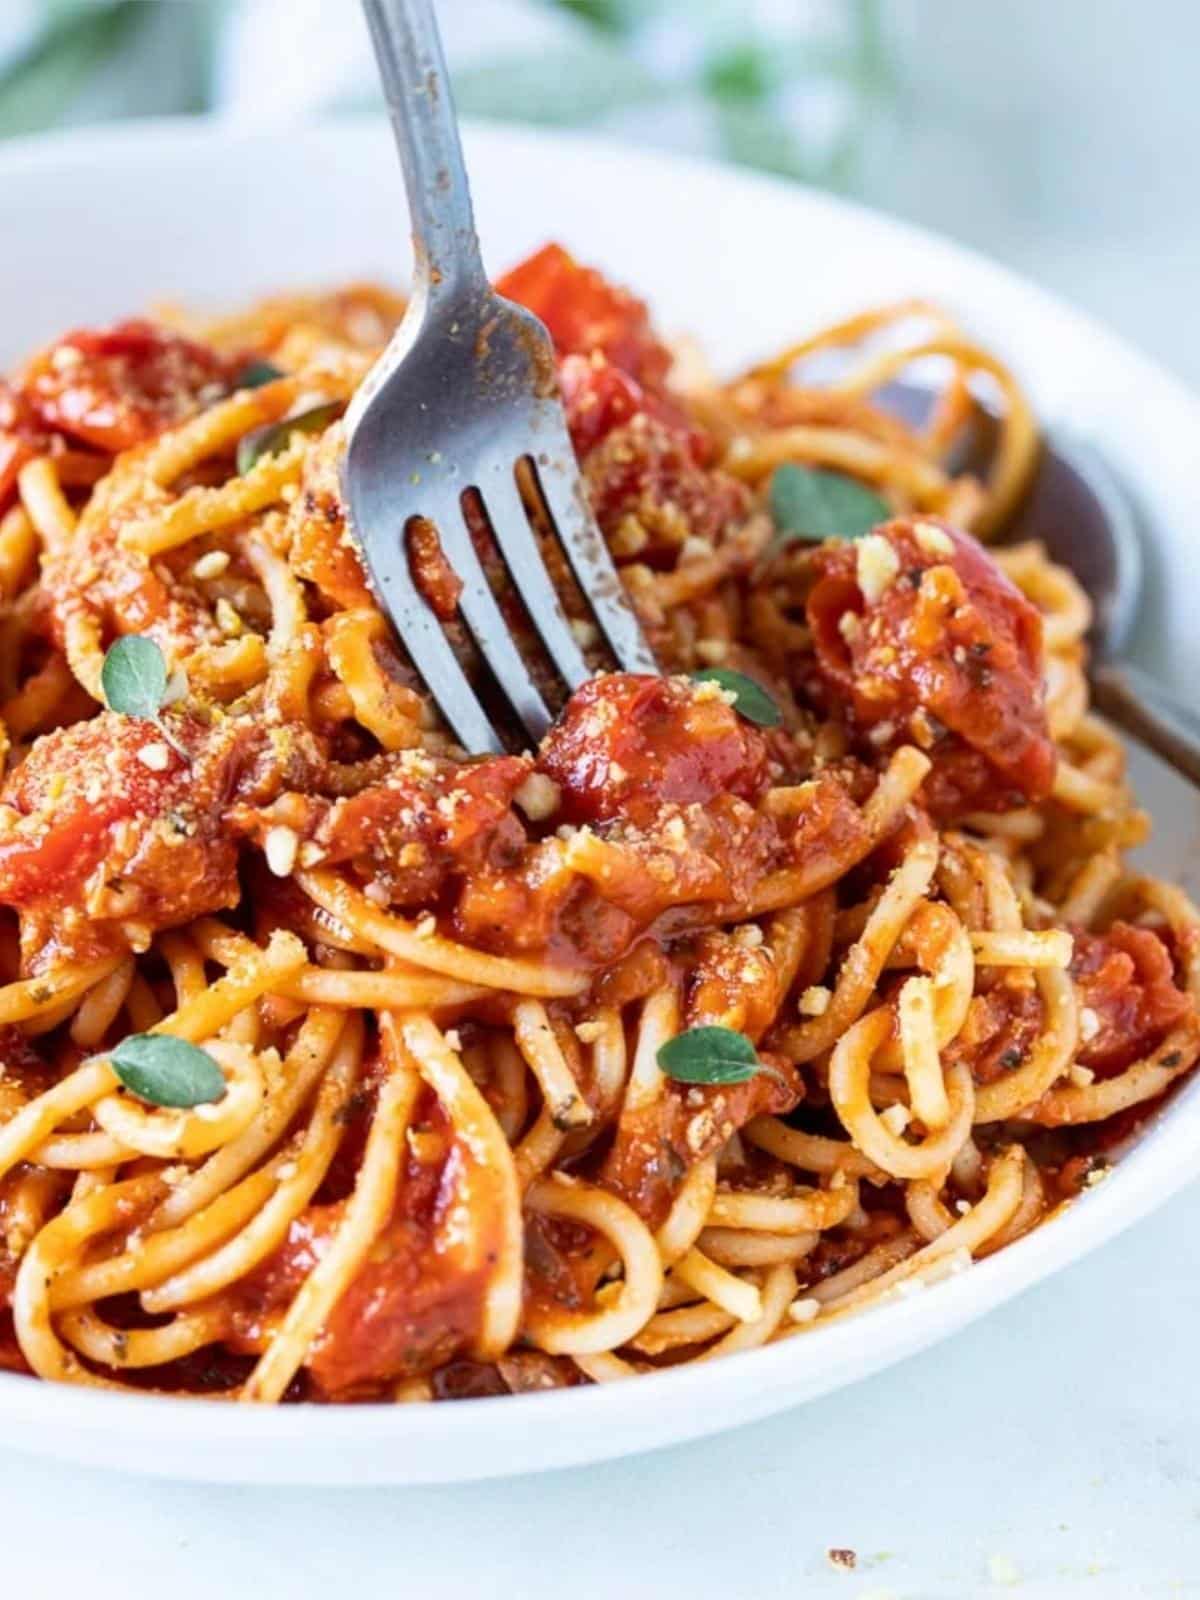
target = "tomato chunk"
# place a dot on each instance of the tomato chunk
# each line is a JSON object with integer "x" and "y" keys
{"x": 920, "y": 637}
{"x": 117, "y": 387}
{"x": 626, "y": 744}
{"x": 584, "y": 313}
{"x": 1127, "y": 983}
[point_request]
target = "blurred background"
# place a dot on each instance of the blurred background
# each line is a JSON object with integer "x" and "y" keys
{"x": 1060, "y": 136}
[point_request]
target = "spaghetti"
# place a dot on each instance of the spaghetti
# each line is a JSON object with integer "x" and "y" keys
{"x": 764, "y": 990}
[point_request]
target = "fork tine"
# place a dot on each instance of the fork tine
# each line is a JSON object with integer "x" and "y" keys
{"x": 510, "y": 525}
{"x": 428, "y": 646}
{"x": 487, "y": 623}
{"x": 591, "y": 561}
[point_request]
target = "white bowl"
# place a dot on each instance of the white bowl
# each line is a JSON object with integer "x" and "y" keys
{"x": 100, "y": 224}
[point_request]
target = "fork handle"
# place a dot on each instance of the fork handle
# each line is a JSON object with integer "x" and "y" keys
{"x": 1142, "y": 706}
{"x": 416, "y": 86}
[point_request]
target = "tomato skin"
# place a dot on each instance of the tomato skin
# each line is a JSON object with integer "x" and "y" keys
{"x": 949, "y": 654}
{"x": 1126, "y": 980}
{"x": 114, "y": 388}
{"x": 626, "y": 744}
{"x": 583, "y": 313}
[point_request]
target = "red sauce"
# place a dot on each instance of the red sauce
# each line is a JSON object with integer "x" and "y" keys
{"x": 412, "y": 1305}
{"x": 584, "y": 312}
{"x": 117, "y": 387}
{"x": 1126, "y": 978}
{"x": 627, "y": 744}
{"x": 949, "y": 655}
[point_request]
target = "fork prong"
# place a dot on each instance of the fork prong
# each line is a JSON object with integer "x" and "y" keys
{"x": 509, "y": 522}
{"x": 591, "y": 562}
{"x": 426, "y": 643}
{"x": 491, "y": 631}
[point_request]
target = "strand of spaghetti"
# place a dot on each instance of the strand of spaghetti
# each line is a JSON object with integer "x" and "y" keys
{"x": 215, "y": 430}
{"x": 1024, "y": 949}
{"x": 303, "y": 1067}
{"x": 733, "y": 1247}
{"x": 33, "y": 1124}
{"x": 864, "y": 961}
{"x": 1000, "y": 1200}
{"x": 810, "y": 1151}
{"x": 778, "y": 1292}
{"x": 1144, "y": 1080}
{"x": 803, "y": 1211}
{"x": 46, "y": 505}
{"x": 99, "y": 1008}
{"x": 925, "y": 1209}
{"x": 132, "y": 1348}
{"x": 401, "y": 938}
{"x": 81, "y": 1152}
{"x": 294, "y": 1182}
{"x": 716, "y": 1283}
{"x": 922, "y": 1065}
{"x": 851, "y": 330}
{"x": 391, "y": 711}
{"x": 604, "y": 1367}
{"x": 288, "y": 610}
{"x": 148, "y": 1257}
{"x": 535, "y": 1039}
{"x": 487, "y": 1184}
{"x": 392, "y": 990}
{"x": 367, "y": 1209}
{"x": 671, "y": 1330}
{"x": 878, "y": 1260}
{"x": 910, "y": 473}
{"x": 539, "y": 1149}
{"x": 561, "y": 1331}
{"x": 51, "y": 1252}
{"x": 202, "y": 510}
{"x": 849, "y": 1089}
{"x": 31, "y": 997}
{"x": 1049, "y": 1058}
{"x": 18, "y": 550}
{"x": 689, "y": 1209}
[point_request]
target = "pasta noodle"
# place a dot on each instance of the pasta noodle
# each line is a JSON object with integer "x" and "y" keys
{"x": 338, "y": 1064}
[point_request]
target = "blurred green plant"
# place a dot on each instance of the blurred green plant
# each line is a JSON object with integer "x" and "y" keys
{"x": 801, "y": 95}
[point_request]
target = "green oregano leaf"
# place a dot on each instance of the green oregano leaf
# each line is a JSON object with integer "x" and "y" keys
{"x": 255, "y": 373}
{"x": 709, "y": 1054}
{"x": 165, "y": 1071}
{"x": 812, "y": 504}
{"x": 133, "y": 680}
{"x": 750, "y": 699}
{"x": 273, "y": 437}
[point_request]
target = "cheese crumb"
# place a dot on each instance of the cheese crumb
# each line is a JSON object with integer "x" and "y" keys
{"x": 1089, "y": 1024}
{"x": 156, "y": 756}
{"x": 425, "y": 927}
{"x": 804, "y": 1310}
{"x": 877, "y": 565}
{"x": 814, "y": 1002}
{"x": 376, "y": 893}
{"x": 895, "y": 1119}
{"x": 589, "y": 1032}
{"x": 586, "y": 633}
{"x": 454, "y": 1039}
{"x": 228, "y": 620}
{"x": 933, "y": 540}
{"x": 712, "y": 651}
{"x": 538, "y": 797}
{"x": 280, "y": 847}
{"x": 210, "y": 565}
{"x": 311, "y": 854}
{"x": 849, "y": 626}
{"x": 1081, "y": 1077}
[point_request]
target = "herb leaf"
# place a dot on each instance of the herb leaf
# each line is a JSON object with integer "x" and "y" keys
{"x": 165, "y": 1071}
{"x": 134, "y": 683}
{"x": 709, "y": 1055}
{"x": 134, "y": 677}
{"x": 812, "y": 503}
{"x": 273, "y": 437}
{"x": 750, "y": 699}
{"x": 255, "y": 373}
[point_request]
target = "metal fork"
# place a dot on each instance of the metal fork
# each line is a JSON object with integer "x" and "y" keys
{"x": 464, "y": 393}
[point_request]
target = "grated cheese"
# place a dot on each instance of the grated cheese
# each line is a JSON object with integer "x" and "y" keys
{"x": 155, "y": 756}
{"x": 280, "y": 847}
{"x": 933, "y": 540}
{"x": 814, "y": 1002}
{"x": 877, "y": 565}
{"x": 538, "y": 797}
